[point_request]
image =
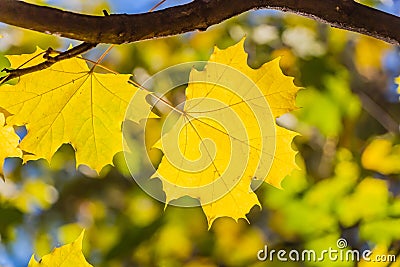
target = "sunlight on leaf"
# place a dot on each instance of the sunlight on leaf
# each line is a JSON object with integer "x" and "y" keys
{"x": 226, "y": 135}
{"x": 69, "y": 103}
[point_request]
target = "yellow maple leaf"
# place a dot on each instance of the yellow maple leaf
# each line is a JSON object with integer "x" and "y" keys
{"x": 9, "y": 141}
{"x": 226, "y": 135}
{"x": 69, "y": 103}
{"x": 383, "y": 156}
{"x": 67, "y": 255}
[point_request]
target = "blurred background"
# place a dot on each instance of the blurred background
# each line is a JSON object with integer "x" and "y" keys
{"x": 349, "y": 152}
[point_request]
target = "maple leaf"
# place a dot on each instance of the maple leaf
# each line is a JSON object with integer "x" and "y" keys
{"x": 226, "y": 135}
{"x": 70, "y": 103}
{"x": 9, "y": 141}
{"x": 67, "y": 255}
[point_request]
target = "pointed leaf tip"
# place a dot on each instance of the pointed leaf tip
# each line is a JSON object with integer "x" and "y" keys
{"x": 67, "y": 255}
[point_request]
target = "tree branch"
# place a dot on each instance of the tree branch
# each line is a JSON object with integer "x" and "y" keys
{"x": 199, "y": 14}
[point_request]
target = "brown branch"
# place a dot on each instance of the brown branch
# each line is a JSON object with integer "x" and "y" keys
{"x": 199, "y": 14}
{"x": 49, "y": 61}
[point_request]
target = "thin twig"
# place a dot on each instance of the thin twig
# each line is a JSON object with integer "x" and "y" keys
{"x": 157, "y": 5}
{"x": 49, "y": 61}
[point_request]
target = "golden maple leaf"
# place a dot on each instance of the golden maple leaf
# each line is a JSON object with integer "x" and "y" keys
{"x": 67, "y": 255}
{"x": 70, "y": 103}
{"x": 9, "y": 141}
{"x": 226, "y": 135}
